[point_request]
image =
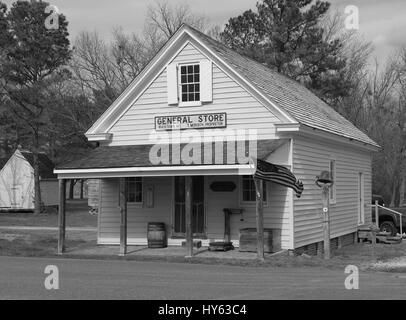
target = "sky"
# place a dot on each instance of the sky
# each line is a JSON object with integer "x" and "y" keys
{"x": 381, "y": 21}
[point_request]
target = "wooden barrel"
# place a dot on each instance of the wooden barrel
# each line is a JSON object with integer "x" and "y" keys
{"x": 156, "y": 235}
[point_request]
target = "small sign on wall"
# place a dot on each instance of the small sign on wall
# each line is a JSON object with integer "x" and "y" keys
{"x": 195, "y": 121}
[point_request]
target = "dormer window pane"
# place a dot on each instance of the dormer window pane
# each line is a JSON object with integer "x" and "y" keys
{"x": 190, "y": 83}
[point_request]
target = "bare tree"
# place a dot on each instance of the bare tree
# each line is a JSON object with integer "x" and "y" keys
{"x": 166, "y": 19}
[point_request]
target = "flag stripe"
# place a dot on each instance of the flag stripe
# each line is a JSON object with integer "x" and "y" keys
{"x": 279, "y": 175}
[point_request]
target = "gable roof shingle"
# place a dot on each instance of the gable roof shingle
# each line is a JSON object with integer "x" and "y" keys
{"x": 294, "y": 98}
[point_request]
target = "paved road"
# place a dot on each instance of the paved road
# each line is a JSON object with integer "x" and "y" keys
{"x": 23, "y": 278}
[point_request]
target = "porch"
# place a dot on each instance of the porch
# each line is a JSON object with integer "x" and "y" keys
{"x": 190, "y": 200}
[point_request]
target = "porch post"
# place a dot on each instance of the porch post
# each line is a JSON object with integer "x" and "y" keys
{"x": 61, "y": 216}
{"x": 123, "y": 221}
{"x": 260, "y": 218}
{"x": 326, "y": 222}
{"x": 188, "y": 216}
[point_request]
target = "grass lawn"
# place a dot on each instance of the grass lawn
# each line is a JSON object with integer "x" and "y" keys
{"x": 40, "y": 243}
{"x": 77, "y": 215}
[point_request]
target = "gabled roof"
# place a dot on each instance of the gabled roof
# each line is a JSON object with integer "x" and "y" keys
{"x": 302, "y": 104}
{"x": 288, "y": 96}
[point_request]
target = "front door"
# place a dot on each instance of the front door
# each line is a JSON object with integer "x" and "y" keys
{"x": 198, "y": 218}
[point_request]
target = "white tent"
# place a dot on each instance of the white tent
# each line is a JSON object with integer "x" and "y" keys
{"x": 17, "y": 182}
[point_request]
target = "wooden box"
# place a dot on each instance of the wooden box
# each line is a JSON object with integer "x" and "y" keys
{"x": 248, "y": 240}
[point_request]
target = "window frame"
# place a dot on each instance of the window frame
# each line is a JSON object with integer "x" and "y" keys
{"x": 179, "y": 75}
{"x": 140, "y": 203}
{"x": 333, "y": 174}
{"x": 252, "y": 203}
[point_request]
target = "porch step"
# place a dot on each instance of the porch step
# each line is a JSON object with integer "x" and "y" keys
{"x": 221, "y": 246}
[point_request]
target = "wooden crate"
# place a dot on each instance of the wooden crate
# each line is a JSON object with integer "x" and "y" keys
{"x": 248, "y": 240}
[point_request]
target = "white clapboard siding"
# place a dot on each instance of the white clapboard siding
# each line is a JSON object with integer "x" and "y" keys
{"x": 277, "y": 215}
{"x": 310, "y": 157}
{"x": 243, "y": 111}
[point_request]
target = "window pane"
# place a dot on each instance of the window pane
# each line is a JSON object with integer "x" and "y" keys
{"x": 249, "y": 191}
{"x": 190, "y": 87}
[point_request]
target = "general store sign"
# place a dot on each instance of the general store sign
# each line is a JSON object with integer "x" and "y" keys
{"x": 195, "y": 121}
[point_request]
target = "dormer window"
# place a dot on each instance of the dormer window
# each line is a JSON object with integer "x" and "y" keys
{"x": 190, "y": 83}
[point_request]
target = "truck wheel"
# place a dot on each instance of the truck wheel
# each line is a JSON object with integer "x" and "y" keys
{"x": 388, "y": 226}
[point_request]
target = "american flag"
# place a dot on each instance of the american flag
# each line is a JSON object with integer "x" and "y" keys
{"x": 279, "y": 175}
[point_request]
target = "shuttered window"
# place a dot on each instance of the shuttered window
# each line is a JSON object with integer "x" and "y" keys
{"x": 190, "y": 84}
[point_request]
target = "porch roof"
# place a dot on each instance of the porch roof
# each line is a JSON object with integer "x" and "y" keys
{"x": 135, "y": 159}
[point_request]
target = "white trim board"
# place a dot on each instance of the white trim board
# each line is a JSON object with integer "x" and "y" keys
{"x": 244, "y": 169}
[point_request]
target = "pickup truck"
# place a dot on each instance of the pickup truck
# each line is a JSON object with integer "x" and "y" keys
{"x": 388, "y": 221}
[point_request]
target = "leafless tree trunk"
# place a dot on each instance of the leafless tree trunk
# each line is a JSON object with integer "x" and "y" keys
{"x": 37, "y": 185}
{"x": 402, "y": 191}
{"x": 81, "y": 189}
{"x": 71, "y": 189}
{"x": 393, "y": 197}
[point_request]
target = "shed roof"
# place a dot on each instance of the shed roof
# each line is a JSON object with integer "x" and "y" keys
{"x": 139, "y": 155}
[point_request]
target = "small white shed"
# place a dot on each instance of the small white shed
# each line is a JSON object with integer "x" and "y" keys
{"x": 17, "y": 181}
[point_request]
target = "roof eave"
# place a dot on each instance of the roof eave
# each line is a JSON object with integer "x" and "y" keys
{"x": 315, "y": 132}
